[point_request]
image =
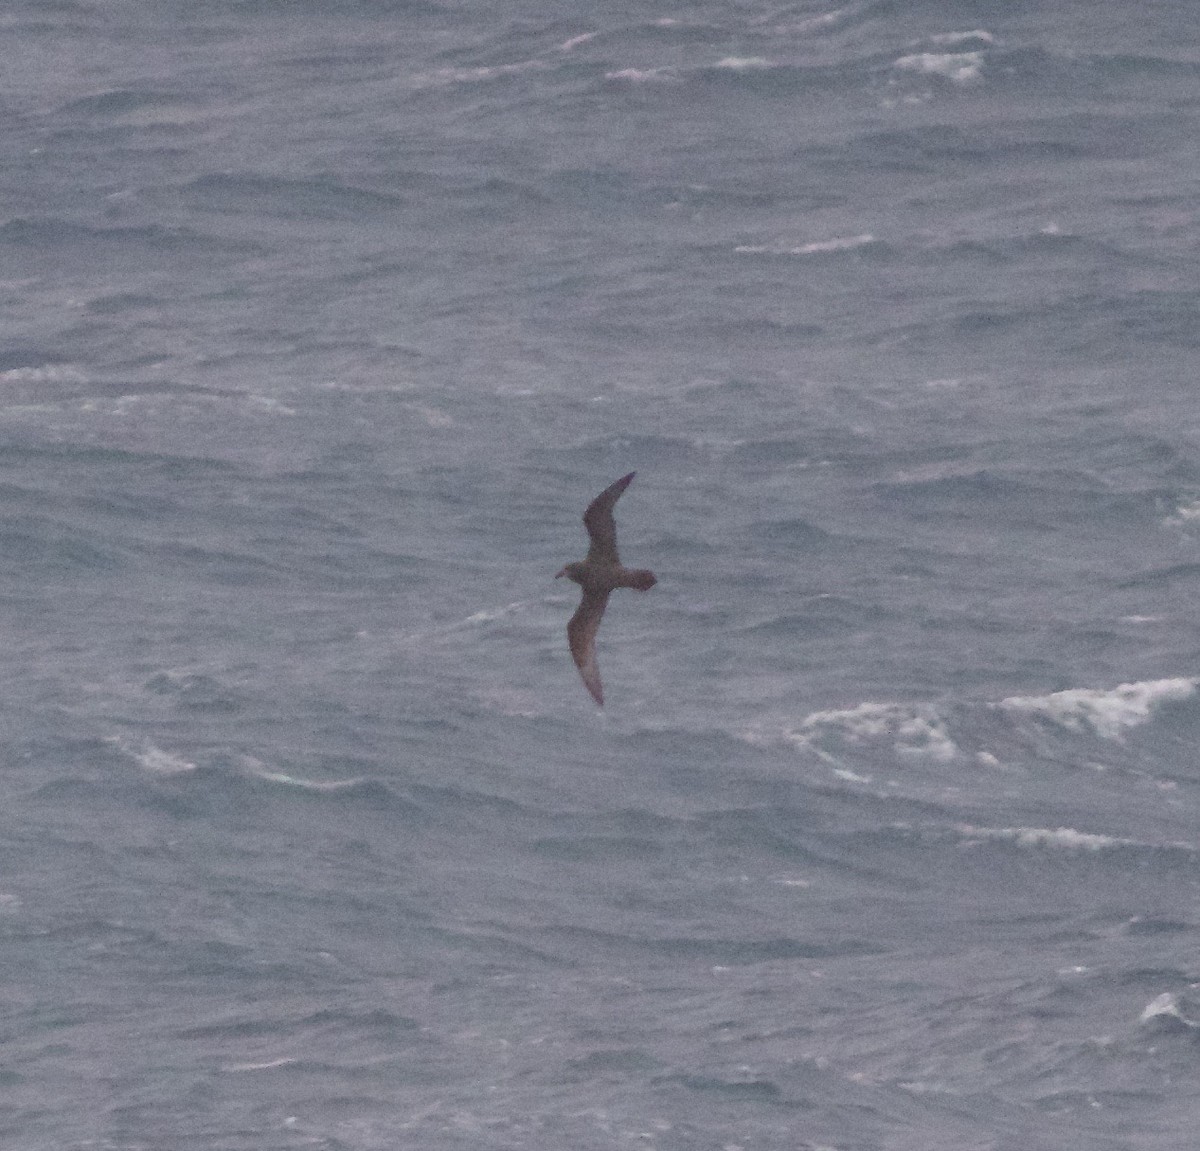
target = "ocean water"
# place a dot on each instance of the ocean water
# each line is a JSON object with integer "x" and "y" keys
{"x": 323, "y": 321}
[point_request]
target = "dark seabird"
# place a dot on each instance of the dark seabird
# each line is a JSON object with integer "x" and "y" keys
{"x": 598, "y": 575}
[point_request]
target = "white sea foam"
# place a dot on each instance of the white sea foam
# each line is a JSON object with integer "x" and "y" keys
{"x": 1066, "y": 838}
{"x": 951, "y": 39}
{"x": 268, "y": 1065}
{"x": 1166, "y": 1006}
{"x": 815, "y": 247}
{"x": 837, "y": 244}
{"x": 317, "y": 785}
{"x": 961, "y": 67}
{"x": 150, "y": 757}
{"x": 866, "y": 721}
{"x": 45, "y": 374}
{"x": 575, "y": 41}
{"x": 812, "y": 23}
{"x": 744, "y": 63}
{"x": 1107, "y": 713}
{"x": 923, "y": 735}
{"x": 913, "y": 730}
{"x": 851, "y": 776}
{"x": 642, "y": 75}
{"x": 487, "y": 615}
{"x": 446, "y": 76}
{"x": 780, "y": 19}
{"x": 255, "y": 767}
{"x": 1185, "y": 511}
{"x": 474, "y": 620}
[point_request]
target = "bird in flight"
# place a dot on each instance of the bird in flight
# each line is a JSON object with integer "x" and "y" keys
{"x": 600, "y": 573}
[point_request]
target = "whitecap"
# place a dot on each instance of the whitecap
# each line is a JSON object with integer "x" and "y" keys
{"x": 267, "y": 1065}
{"x": 813, "y": 248}
{"x": 474, "y": 620}
{"x": 744, "y": 63}
{"x": 961, "y": 67}
{"x": 317, "y": 785}
{"x": 812, "y": 23}
{"x": 1185, "y": 510}
{"x": 575, "y": 41}
{"x": 924, "y": 736}
{"x": 913, "y": 730}
{"x": 44, "y": 374}
{"x": 1065, "y": 838}
{"x": 867, "y": 720}
{"x": 851, "y": 776}
{"x": 837, "y": 244}
{"x": 1167, "y": 1008}
{"x": 152, "y": 758}
{"x": 642, "y": 75}
{"x": 950, "y": 39}
{"x": 482, "y": 74}
{"x": 1107, "y": 713}
{"x": 487, "y": 615}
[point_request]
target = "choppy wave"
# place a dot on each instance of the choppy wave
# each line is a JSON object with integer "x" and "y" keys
{"x": 1107, "y": 712}
{"x": 152, "y": 758}
{"x": 56, "y": 232}
{"x": 961, "y": 67}
{"x": 662, "y": 74}
{"x": 743, "y": 63}
{"x": 909, "y": 729}
{"x": 888, "y": 832}
{"x": 479, "y": 74}
{"x": 859, "y": 743}
{"x": 951, "y": 39}
{"x": 219, "y": 763}
{"x": 812, "y": 248}
{"x": 1170, "y": 1012}
{"x": 1062, "y": 838}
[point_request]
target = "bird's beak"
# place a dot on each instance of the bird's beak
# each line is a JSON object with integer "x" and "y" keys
{"x": 561, "y": 574}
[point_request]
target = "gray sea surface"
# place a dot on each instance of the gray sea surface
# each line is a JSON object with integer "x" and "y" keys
{"x": 323, "y": 320}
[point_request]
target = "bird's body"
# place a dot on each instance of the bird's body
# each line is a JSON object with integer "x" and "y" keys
{"x": 599, "y": 575}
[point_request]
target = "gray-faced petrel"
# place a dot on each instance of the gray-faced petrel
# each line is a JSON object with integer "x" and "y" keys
{"x": 598, "y": 575}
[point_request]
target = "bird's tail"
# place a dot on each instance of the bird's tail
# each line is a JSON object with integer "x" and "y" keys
{"x": 640, "y": 578}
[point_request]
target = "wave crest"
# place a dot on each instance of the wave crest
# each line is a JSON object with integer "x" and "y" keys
{"x": 1106, "y": 712}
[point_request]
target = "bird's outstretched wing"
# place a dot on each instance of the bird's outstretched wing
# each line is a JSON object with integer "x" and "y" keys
{"x": 601, "y": 527}
{"x": 581, "y": 635}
